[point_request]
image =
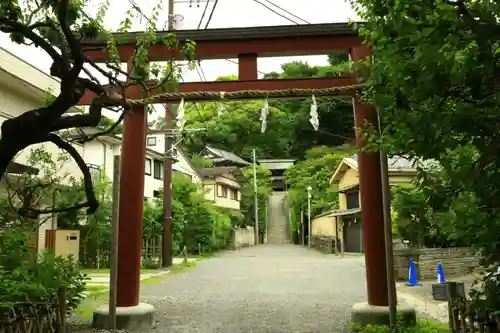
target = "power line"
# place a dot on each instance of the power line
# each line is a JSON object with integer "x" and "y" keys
{"x": 203, "y": 15}
{"x": 211, "y": 14}
{"x": 286, "y": 11}
{"x": 279, "y": 14}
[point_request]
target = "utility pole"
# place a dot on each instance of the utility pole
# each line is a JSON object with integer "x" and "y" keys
{"x": 256, "y": 199}
{"x": 167, "y": 167}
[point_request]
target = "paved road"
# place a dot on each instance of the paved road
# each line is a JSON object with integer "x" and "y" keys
{"x": 268, "y": 288}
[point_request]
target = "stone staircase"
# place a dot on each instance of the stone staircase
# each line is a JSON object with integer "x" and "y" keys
{"x": 278, "y": 231}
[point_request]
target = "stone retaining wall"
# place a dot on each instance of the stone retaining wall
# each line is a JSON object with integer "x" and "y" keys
{"x": 324, "y": 244}
{"x": 455, "y": 261}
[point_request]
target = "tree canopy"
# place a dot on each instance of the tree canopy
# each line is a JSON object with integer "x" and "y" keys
{"x": 435, "y": 80}
{"x": 58, "y": 28}
{"x": 235, "y": 126}
{"x": 315, "y": 171}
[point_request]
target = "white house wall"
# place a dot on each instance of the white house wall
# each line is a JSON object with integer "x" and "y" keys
{"x": 102, "y": 153}
{"x": 182, "y": 165}
{"x": 26, "y": 71}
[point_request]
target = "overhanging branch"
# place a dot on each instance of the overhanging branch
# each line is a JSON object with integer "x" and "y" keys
{"x": 92, "y": 202}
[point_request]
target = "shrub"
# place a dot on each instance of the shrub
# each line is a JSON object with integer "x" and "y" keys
{"x": 28, "y": 278}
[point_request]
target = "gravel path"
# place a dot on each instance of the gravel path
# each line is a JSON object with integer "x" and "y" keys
{"x": 268, "y": 288}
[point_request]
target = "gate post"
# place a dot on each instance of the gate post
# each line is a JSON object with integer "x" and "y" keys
{"x": 376, "y": 311}
{"x": 372, "y": 211}
{"x": 131, "y": 207}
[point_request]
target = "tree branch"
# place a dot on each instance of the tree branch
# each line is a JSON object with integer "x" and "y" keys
{"x": 92, "y": 202}
{"x": 105, "y": 132}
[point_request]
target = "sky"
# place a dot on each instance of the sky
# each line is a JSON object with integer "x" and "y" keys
{"x": 228, "y": 13}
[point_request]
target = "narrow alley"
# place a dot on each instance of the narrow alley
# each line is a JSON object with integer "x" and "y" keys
{"x": 266, "y": 288}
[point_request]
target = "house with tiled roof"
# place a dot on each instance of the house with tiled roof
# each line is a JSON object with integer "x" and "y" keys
{"x": 222, "y": 186}
{"x": 220, "y": 157}
{"x": 345, "y": 225}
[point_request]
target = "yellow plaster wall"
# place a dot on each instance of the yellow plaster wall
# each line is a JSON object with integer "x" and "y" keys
{"x": 349, "y": 178}
{"x": 323, "y": 226}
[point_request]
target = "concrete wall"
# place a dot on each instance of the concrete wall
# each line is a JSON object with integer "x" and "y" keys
{"x": 455, "y": 261}
{"x": 243, "y": 237}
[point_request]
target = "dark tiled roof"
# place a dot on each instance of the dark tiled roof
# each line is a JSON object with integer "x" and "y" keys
{"x": 226, "y": 155}
{"x": 219, "y": 171}
{"x": 394, "y": 163}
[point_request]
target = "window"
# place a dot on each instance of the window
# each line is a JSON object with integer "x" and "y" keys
{"x": 233, "y": 194}
{"x": 151, "y": 141}
{"x": 95, "y": 171}
{"x": 222, "y": 191}
{"x": 148, "y": 167}
{"x": 158, "y": 169}
{"x": 156, "y": 194}
{"x": 352, "y": 200}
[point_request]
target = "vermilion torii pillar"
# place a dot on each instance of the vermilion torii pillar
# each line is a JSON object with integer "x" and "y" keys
{"x": 131, "y": 206}
{"x": 372, "y": 212}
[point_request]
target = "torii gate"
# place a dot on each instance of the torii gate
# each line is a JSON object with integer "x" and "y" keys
{"x": 247, "y": 44}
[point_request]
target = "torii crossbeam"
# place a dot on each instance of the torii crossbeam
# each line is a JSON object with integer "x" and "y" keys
{"x": 246, "y": 44}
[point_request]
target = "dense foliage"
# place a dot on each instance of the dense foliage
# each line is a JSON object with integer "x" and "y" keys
{"x": 315, "y": 171}
{"x": 60, "y": 29}
{"x": 95, "y": 229}
{"x": 429, "y": 214}
{"x": 264, "y": 189}
{"x": 26, "y": 277}
{"x": 288, "y": 134}
{"x": 197, "y": 223}
{"x": 436, "y": 82}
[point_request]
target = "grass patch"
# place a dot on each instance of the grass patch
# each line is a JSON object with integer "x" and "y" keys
{"x": 176, "y": 269}
{"x": 203, "y": 255}
{"x": 96, "y": 296}
{"x": 99, "y": 295}
{"x": 422, "y": 326}
{"x": 95, "y": 288}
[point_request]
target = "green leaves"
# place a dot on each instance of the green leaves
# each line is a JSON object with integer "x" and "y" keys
{"x": 264, "y": 189}
{"x": 28, "y": 278}
{"x": 315, "y": 171}
{"x": 435, "y": 81}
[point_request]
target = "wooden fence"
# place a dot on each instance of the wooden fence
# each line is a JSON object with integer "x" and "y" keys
{"x": 35, "y": 317}
{"x": 463, "y": 319}
{"x": 151, "y": 249}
